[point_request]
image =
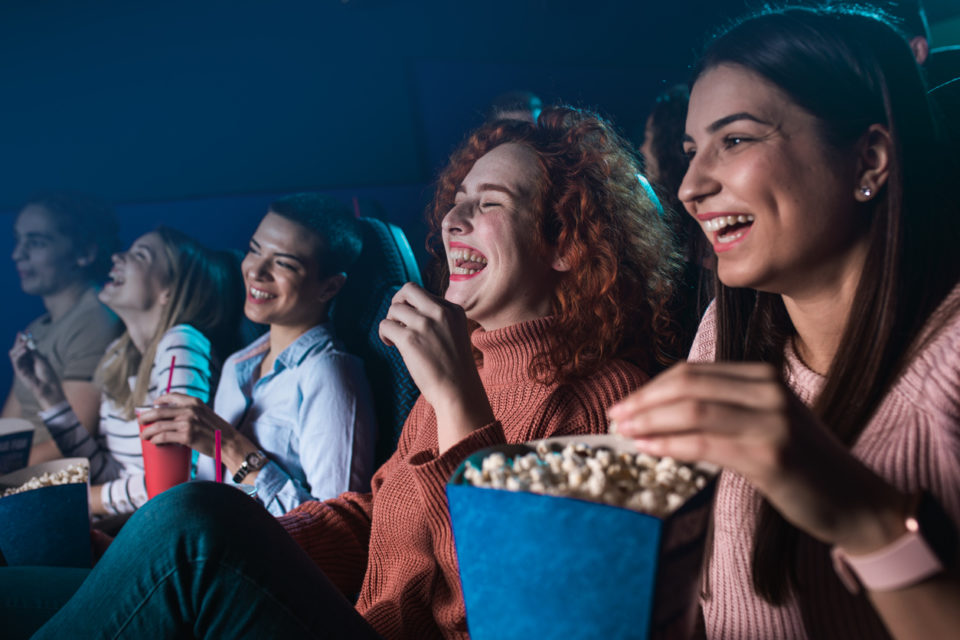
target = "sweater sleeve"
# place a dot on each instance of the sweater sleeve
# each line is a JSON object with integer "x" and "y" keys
{"x": 192, "y": 373}
{"x": 75, "y": 441}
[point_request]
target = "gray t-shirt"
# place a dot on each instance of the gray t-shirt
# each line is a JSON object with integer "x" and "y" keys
{"x": 74, "y": 344}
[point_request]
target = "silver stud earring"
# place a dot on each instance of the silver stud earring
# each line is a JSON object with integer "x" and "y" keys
{"x": 866, "y": 191}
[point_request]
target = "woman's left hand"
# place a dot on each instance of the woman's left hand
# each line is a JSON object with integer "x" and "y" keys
{"x": 432, "y": 337}
{"x": 742, "y": 417}
{"x": 182, "y": 419}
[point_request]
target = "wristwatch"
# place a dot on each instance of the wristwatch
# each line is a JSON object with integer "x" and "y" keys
{"x": 928, "y": 546}
{"x": 253, "y": 462}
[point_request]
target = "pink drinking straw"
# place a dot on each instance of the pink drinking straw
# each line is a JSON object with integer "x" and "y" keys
{"x": 216, "y": 449}
{"x": 173, "y": 361}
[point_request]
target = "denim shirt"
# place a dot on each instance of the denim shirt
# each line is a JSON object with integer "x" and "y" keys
{"x": 312, "y": 415}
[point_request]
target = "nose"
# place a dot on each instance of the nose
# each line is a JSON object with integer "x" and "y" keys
{"x": 458, "y": 219}
{"x": 18, "y": 253}
{"x": 699, "y": 182}
{"x": 254, "y": 267}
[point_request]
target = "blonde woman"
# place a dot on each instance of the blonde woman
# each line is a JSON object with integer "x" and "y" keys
{"x": 176, "y": 300}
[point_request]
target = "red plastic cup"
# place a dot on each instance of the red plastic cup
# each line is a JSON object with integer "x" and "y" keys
{"x": 165, "y": 465}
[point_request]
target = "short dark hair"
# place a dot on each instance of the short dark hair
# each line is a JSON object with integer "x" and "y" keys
{"x": 332, "y": 221}
{"x": 88, "y": 221}
{"x": 907, "y": 15}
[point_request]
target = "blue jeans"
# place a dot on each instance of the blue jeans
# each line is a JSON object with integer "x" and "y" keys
{"x": 201, "y": 560}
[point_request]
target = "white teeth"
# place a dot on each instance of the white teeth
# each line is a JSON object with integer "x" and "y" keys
{"x": 721, "y": 222}
{"x": 461, "y": 271}
{"x": 466, "y": 254}
{"x": 730, "y": 237}
{"x": 260, "y": 295}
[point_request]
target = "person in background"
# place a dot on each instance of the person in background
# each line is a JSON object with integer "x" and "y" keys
{"x": 664, "y": 165}
{"x": 63, "y": 243}
{"x": 558, "y": 273}
{"x": 523, "y": 106}
{"x": 176, "y": 300}
{"x": 825, "y": 379}
{"x": 294, "y": 409}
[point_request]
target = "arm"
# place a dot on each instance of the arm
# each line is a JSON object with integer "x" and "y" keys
{"x": 75, "y": 441}
{"x": 336, "y": 432}
{"x": 84, "y": 398}
{"x": 11, "y": 408}
{"x": 740, "y": 416}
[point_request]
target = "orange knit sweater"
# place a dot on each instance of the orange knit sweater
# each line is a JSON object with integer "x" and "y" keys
{"x": 394, "y": 545}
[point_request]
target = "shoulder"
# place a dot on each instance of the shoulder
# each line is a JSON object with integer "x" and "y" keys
{"x": 91, "y": 323}
{"x": 184, "y": 341}
{"x": 704, "y": 347}
{"x": 933, "y": 374}
{"x": 588, "y": 398}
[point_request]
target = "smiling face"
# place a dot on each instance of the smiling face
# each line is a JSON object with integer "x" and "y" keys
{"x": 498, "y": 273}
{"x": 46, "y": 259}
{"x": 773, "y": 198}
{"x": 140, "y": 278}
{"x": 282, "y": 275}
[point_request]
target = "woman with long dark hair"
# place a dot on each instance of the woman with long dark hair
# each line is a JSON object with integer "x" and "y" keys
{"x": 827, "y": 374}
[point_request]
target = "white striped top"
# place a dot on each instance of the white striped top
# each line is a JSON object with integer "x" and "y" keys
{"x": 115, "y": 454}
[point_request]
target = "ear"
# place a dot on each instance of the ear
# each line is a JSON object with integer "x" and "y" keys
{"x": 561, "y": 261}
{"x": 874, "y": 154}
{"x": 163, "y": 299}
{"x": 331, "y": 286}
{"x": 86, "y": 257}
{"x": 920, "y": 48}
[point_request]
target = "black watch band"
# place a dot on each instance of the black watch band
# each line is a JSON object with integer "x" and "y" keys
{"x": 253, "y": 462}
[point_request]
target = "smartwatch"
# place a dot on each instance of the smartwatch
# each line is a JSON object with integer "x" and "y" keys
{"x": 928, "y": 546}
{"x": 253, "y": 462}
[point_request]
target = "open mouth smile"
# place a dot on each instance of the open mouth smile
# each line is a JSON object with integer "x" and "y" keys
{"x": 728, "y": 229}
{"x": 465, "y": 262}
{"x": 260, "y": 295}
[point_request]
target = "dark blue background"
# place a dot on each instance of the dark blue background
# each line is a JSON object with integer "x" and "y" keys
{"x": 195, "y": 114}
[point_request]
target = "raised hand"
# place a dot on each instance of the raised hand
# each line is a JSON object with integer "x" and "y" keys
{"x": 182, "y": 419}
{"x": 432, "y": 337}
{"x": 742, "y": 417}
{"x": 34, "y": 370}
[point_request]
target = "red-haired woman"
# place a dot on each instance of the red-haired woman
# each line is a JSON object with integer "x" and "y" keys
{"x": 553, "y": 252}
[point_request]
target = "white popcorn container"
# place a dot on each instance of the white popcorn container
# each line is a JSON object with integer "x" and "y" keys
{"x": 540, "y": 566}
{"x": 47, "y": 526}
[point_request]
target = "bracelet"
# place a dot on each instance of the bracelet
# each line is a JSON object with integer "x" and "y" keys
{"x": 904, "y": 562}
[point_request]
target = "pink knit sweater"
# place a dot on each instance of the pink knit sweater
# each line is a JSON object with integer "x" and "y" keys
{"x": 395, "y": 544}
{"x": 913, "y": 441}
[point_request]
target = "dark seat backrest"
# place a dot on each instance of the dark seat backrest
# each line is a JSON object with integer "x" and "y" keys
{"x": 385, "y": 264}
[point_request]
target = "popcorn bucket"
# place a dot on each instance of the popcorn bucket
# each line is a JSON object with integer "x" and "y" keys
{"x": 545, "y": 566}
{"x": 16, "y": 436}
{"x": 48, "y": 525}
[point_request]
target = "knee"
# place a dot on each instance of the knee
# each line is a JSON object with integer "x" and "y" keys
{"x": 204, "y": 508}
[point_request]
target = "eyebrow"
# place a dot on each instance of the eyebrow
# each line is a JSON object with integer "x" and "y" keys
{"x": 282, "y": 255}
{"x": 491, "y": 186}
{"x": 146, "y": 248}
{"x": 716, "y": 125}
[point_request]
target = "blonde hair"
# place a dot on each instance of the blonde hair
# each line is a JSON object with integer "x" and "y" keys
{"x": 206, "y": 293}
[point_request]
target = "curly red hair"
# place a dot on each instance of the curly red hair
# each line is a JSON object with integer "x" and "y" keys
{"x": 614, "y": 302}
